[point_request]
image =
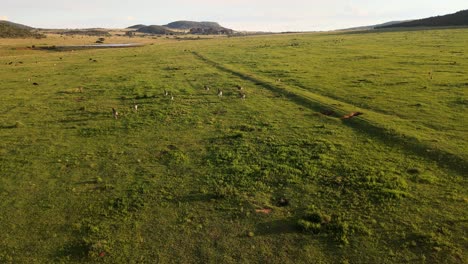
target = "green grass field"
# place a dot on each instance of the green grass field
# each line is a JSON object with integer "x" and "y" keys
{"x": 208, "y": 179}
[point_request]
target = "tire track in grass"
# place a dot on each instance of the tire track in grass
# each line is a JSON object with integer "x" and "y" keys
{"x": 391, "y": 132}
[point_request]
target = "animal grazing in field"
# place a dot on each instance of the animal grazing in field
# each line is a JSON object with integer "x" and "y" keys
{"x": 166, "y": 93}
{"x": 135, "y": 107}
{"x": 240, "y": 88}
{"x": 115, "y": 114}
{"x": 242, "y": 95}
{"x": 278, "y": 80}
{"x": 35, "y": 83}
{"x": 352, "y": 114}
{"x": 207, "y": 88}
{"x": 172, "y": 97}
{"x": 220, "y": 93}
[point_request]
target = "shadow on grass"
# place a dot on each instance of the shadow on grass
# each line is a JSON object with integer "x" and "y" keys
{"x": 75, "y": 251}
{"x": 8, "y": 127}
{"x": 277, "y": 227}
{"x": 408, "y": 143}
{"x": 196, "y": 197}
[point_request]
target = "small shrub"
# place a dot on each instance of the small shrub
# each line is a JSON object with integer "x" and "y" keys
{"x": 424, "y": 178}
{"x": 226, "y": 191}
{"x": 314, "y": 217}
{"x": 308, "y": 226}
{"x": 315, "y": 222}
{"x": 340, "y": 231}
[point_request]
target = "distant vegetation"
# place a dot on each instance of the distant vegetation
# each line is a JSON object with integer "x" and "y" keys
{"x": 154, "y": 29}
{"x": 192, "y": 24}
{"x": 202, "y": 28}
{"x": 374, "y": 26}
{"x": 457, "y": 19}
{"x": 16, "y": 25}
{"x": 181, "y": 27}
{"x": 87, "y": 32}
{"x": 136, "y": 26}
{"x": 14, "y": 30}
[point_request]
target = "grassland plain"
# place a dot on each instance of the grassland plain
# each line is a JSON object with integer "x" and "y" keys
{"x": 204, "y": 179}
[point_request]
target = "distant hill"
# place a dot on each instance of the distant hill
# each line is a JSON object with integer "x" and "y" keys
{"x": 137, "y": 26}
{"x": 16, "y": 25}
{"x": 154, "y": 29}
{"x": 373, "y": 26}
{"x": 457, "y": 19}
{"x": 179, "y": 27}
{"x": 13, "y": 30}
{"x": 200, "y": 28}
{"x": 187, "y": 25}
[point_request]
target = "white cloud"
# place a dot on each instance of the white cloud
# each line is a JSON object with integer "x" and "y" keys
{"x": 3, "y": 18}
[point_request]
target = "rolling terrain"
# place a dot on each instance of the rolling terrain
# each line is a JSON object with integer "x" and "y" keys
{"x": 13, "y": 30}
{"x": 284, "y": 175}
{"x": 181, "y": 27}
{"x": 459, "y": 18}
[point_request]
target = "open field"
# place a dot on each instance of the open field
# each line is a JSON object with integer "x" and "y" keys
{"x": 208, "y": 179}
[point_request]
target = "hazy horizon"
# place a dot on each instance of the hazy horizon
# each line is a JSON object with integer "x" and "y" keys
{"x": 261, "y": 15}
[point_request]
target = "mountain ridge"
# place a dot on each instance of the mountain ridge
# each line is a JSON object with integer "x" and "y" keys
{"x": 184, "y": 26}
{"x": 459, "y": 18}
{"x": 371, "y": 27}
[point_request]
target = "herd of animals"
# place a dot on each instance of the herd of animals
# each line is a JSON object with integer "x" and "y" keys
{"x": 241, "y": 94}
{"x": 240, "y": 89}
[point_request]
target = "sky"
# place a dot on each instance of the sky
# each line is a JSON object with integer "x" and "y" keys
{"x": 258, "y": 15}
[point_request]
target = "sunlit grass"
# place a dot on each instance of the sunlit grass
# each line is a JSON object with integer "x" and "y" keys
{"x": 204, "y": 179}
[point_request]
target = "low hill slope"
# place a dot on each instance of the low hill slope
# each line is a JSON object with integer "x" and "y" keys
{"x": 178, "y": 27}
{"x": 192, "y": 24}
{"x": 154, "y": 29}
{"x": 16, "y": 25}
{"x": 13, "y": 30}
{"x": 457, "y": 19}
{"x": 204, "y": 28}
{"x": 370, "y": 27}
{"x": 137, "y": 26}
